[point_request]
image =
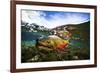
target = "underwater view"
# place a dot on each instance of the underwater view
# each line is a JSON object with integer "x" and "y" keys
{"x": 54, "y": 36}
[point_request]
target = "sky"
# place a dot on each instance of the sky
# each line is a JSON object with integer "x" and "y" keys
{"x": 52, "y": 19}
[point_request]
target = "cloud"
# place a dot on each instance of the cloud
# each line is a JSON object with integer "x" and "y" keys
{"x": 34, "y": 17}
{"x": 51, "y": 20}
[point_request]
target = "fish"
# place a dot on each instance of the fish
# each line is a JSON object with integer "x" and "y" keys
{"x": 53, "y": 42}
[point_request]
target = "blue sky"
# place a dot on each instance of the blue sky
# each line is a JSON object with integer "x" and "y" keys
{"x": 52, "y": 19}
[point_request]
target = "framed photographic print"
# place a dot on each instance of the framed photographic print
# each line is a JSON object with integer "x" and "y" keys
{"x": 52, "y": 36}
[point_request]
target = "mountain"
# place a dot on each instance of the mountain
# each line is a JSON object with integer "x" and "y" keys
{"x": 73, "y": 26}
{"x": 30, "y": 32}
{"x": 33, "y": 27}
{"x": 83, "y": 30}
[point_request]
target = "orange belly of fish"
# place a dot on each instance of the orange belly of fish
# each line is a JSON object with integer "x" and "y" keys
{"x": 61, "y": 46}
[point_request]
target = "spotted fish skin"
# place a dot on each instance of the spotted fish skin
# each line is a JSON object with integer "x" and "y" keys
{"x": 54, "y": 42}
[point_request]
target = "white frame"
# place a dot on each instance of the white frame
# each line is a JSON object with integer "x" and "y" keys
{"x": 58, "y": 63}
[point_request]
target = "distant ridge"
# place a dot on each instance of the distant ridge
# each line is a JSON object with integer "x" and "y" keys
{"x": 70, "y": 25}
